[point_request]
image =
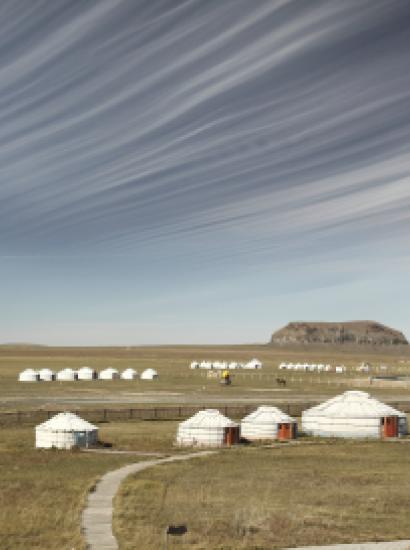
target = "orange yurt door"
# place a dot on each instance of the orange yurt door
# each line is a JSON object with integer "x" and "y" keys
{"x": 231, "y": 436}
{"x": 390, "y": 426}
{"x": 285, "y": 431}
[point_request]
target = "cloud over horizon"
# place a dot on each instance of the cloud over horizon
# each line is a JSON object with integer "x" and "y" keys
{"x": 228, "y": 137}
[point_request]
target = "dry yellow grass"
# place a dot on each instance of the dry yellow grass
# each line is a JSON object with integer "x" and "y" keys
{"x": 177, "y": 382}
{"x": 42, "y": 492}
{"x": 261, "y": 498}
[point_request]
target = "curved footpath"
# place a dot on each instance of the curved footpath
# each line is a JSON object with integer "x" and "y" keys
{"x": 97, "y": 515}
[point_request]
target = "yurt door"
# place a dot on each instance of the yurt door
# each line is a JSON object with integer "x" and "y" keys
{"x": 285, "y": 431}
{"x": 231, "y": 436}
{"x": 390, "y": 426}
{"x": 81, "y": 439}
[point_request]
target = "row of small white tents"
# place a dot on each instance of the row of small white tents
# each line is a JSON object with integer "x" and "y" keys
{"x": 353, "y": 414}
{"x": 225, "y": 365}
{"x": 312, "y": 367}
{"x": 85, "y": 373}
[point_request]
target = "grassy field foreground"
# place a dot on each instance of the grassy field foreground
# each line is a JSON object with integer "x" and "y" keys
{"x": 42, "y": 492}
{"x": 263, "y": 498}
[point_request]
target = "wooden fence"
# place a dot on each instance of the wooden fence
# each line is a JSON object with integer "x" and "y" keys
{"x": 31, "y": 417}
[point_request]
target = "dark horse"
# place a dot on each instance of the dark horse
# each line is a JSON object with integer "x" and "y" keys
{"x": 281, "y": 381}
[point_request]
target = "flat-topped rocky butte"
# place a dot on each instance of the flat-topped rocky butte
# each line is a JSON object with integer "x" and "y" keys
{"x": 362, "y": 333}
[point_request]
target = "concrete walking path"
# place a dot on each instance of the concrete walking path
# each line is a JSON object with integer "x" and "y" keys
{"x": 97, "y": 515}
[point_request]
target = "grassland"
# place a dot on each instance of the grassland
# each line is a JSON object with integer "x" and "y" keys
{"x": 263, "y": 498}
{"x": 42, "y": 493}
{"x": 177, "y": 383}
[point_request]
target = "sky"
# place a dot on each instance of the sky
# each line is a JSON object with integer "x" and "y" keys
{"x": 190, "y": 171}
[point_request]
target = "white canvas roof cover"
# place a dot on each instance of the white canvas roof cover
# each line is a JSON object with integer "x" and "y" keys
{"x": 130, "y": 371}
{"x": 29, "y": 371}
{"x": 109, "y": 370}
{"x": 149, "y": 373}
{"x": 208, "y": 418}
{"x": 86, "y": 370}
{"x": 268, "y": 415}
{"x": 45, "y": 371}
{"x": 352, "y": 404}
{"x": 67, "y": 422}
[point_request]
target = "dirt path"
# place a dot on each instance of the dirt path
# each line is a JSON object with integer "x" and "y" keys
{"x": 97, "y": 515}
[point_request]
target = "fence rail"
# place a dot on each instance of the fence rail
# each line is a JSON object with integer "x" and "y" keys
{"x": 157, "y": 413}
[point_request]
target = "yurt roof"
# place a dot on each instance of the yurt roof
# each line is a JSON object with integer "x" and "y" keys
{"x": 85, "y": 369}
{"x": 267, "y": 414}
{"x": 109, "y": 370}
{"x": 352, "y": 404}
{"x": 68, "y": 370}
{"x": 29, "y": 371}
{"x": 67, "y": 422}
{"x": 209, "y": 418}
{"x": 130, "y": 370}
{"x": 46, "y": 371}
{"x": 150, "y": 371}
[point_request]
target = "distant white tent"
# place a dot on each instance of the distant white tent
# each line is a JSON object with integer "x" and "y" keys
{"x": 208, "y": 428}
{"x": 87, "y": 373}
{"x": 109, "y": 374}
{"x": 354, "y": 414}
{"x": 205, "y": 365}
{"x": 194, "y": 365}
{"x": 46, "y": 375}
{"x": 64, "y": 431}
{"x": 129, "y": 374}
{"x": 253, "y": 364}
{"x": 67, "y": 375}
{"x": 233, "y": 365}
{"x": 29, "y": 375}
{"x": 268, "y": 423}
{"x": 149, "y": 374}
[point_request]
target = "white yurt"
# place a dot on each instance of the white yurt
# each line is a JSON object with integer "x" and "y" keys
{"x": 64, "y": 431}
{"x": 149, "y": 374}
{"x": 253, "y": 364}
{"x": 87, "y": 373}
{"x": 67, "y": 375}
{"x": 109, "y": 374}
{"x": 208, "y": 428}
{"x": 354, "y": 414}
{"x": 268, "y": 423}
{"x": 29, "y": 375}
{"x": 129, "y": 374}
{"x": 194, "y": 365}
{"x": 47, "y": 375}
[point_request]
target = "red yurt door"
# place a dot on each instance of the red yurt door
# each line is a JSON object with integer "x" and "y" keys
{"x": 390, "y": 426}
{"x": 285, "y": 431}
{"x": 231, "y": 436}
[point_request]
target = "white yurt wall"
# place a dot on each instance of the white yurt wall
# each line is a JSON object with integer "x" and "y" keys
{"x": 87, "y": 373}
{"x": 109, "y": 374}
{"x": 29, "y": 375}
{"x": 46, "y": 375}
{"x": 267, "y": 423}
{"x": 352, "y": 414}
{"x": 67, "y": 375}
{"x": 129, "y": 374}
{"x": 64, "y": 431}
{"x": 149, "y": 374}
{"x": 208, "y": 428}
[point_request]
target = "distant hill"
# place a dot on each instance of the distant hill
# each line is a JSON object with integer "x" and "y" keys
{"x": 21, "y": 345}
{"x": 360, "y": 333}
